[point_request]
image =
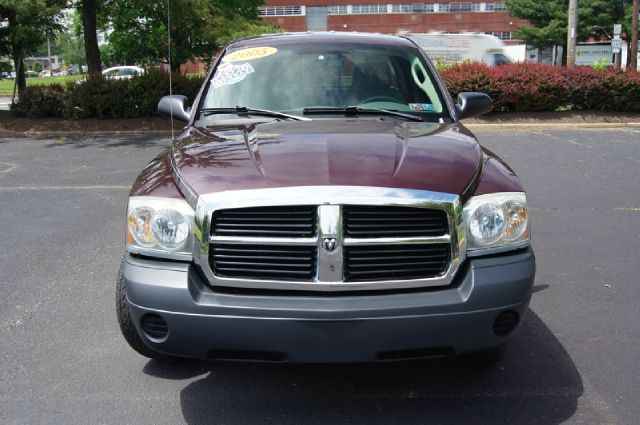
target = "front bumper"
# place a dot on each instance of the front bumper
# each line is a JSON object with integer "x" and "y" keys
{"x": 354, "y": 327}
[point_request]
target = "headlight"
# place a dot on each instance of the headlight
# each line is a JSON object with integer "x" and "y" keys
{"x": 160, "y": 227}
{"x": 496, "y": 221}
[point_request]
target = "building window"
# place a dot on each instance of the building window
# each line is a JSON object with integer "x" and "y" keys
{"x": 280, "y": 10}
{"x": 412, "y": 8}
{"x": 368, "y": 9}
{"x": 402, "y": 8}
{"x": 496, "y": 7}
{"x": 502, "y": 35}
{"x": 460, "y": 7}
{"x": 444, "y": 7}
{"x": 337, "y": 10}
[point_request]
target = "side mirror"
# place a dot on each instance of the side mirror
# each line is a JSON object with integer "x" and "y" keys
{"x": 472, "y": 104}
{"x": 174, "y": 104}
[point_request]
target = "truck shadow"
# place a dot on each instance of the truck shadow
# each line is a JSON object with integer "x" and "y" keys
{"x": 535, "y": 383}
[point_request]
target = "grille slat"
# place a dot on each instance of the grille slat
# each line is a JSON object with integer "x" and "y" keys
{"x": 264, "y": 262}
{"x": 393, "y": 262}
{"x": 364, "y": 221}
{"x": 282, "y": 221}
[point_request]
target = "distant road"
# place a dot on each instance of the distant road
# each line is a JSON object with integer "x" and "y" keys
{"x": 5, "y": 102}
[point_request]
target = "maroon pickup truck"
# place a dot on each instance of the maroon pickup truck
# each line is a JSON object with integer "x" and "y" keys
{"x": 325, "y": 204}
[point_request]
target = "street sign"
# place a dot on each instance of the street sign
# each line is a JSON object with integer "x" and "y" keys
{"x": 616, "y": 44}
{"x": 617, "y": 29}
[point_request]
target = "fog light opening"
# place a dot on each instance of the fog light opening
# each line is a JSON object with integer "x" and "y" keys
{"x": 506, "y": 322}
{"x": 154, "y": 327}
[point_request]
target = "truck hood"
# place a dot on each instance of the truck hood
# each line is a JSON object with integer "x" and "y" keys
{"x": 255, "y": 154}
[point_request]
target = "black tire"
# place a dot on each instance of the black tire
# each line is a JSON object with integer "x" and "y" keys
{"x": 486, "y": 358}
{"x": 128, "y": 328}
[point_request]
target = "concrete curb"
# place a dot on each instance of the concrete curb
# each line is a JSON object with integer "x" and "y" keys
{"x": 471, "y": 126}
{"x": 551, "y": 126}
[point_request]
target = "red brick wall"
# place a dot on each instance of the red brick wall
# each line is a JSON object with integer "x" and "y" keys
{"x": 391, "y": 23}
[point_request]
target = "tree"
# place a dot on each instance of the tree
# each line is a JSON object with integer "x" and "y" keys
{"x": 28, "y": 25}
{"x": 198, "y": 28}
{"x": 38, "y": 67}
{"x": 548, "y": 20}
{"x": 90, "y": 30}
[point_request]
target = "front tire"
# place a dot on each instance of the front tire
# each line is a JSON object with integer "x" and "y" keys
{"x": 127, "y": 327}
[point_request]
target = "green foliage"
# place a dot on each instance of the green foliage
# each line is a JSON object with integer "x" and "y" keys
{"x": 198, "y": 29}
{"x": 601, "y": 64}
{"x": 549, "y": 19}
{"x": 38, "y": 67}
{"x": 40, "y": 102}
{"x": 100, "y": 98}
{"x": 29, "y": 23}
{"x": 5, "y": 66}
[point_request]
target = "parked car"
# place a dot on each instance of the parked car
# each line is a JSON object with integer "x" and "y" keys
{"x": 45, "y": 73}
{"x": 324, "y": 203}
{"x": 122, "y": 72}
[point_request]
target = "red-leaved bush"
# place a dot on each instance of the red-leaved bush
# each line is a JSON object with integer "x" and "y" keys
{"x": 531, "y": 87}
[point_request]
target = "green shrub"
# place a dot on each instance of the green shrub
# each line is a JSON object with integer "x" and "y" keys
{"x": 531, "y": 87}
{"x": 101, "y": 98}
{"x": 41, "y": 101}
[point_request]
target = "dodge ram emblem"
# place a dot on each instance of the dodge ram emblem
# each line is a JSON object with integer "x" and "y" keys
{"x": 329, "y": 244}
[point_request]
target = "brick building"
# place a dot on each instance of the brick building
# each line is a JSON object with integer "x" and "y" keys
{"x": 398, "y": 15}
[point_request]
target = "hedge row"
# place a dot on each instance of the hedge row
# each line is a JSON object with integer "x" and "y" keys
{"x": 532, "y": 87}
{"x": 517, "y": 87}
{"x": 101, "y": 98}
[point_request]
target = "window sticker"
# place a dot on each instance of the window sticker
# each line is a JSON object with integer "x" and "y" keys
{"x": 228, "y": 73}
{"x": 249, "y": 54}
{"x": 428, "y": 107}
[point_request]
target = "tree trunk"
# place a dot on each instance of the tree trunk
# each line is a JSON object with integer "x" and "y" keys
{"x": 90, "y": 31}
{"x": 20, "y": 72}
{"x": 16, "y": 52}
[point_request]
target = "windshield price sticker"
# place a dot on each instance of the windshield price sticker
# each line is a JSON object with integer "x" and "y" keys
{"x": 228, "y": 73}
{"x": 250, "y": 54}
{"x": 421, "y": 107}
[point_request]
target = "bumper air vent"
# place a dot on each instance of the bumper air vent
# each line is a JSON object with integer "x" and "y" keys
{"x": 154, "y": 326}
{"x": 506, "y": 322}
{"x": 277, "y": 222}
{"x": 277, "y": 262}
{"x": 395, "y": 262}
{"x": 391, "y": 221}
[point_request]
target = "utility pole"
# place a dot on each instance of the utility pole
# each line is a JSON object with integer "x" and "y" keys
{"x": 572, "y": 33}
{"x": 634, "y": 35}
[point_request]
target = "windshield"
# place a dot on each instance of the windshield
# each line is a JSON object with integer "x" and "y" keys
{"x": 294, "y": 77}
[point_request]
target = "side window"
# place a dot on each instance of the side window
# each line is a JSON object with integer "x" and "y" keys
{"x": 500, "y": 59}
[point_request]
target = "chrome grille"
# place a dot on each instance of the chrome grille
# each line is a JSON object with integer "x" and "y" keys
{"x": 329, "y": 238}
{"x": 283, "y": 221}
{"x": 395, "y": 262}
{"x": 372, "y": 221}
{"x": 263, "y": 262}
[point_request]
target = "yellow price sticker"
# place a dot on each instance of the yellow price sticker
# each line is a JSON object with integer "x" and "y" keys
{"x": 250, "y": 54}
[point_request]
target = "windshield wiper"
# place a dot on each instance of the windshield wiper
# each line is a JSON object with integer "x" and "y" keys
{"x": 252, "y": 111}
{"x": 356, "y": 110}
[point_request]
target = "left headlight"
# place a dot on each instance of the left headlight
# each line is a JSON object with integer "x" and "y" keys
{"x": 160, "y": 227}
{"x": 496, "y": 222}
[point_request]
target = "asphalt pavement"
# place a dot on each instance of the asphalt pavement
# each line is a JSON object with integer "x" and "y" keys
{"x": 576, "y": 360}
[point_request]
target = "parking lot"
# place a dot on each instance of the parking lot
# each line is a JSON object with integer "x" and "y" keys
{"x": 62, "y": 205}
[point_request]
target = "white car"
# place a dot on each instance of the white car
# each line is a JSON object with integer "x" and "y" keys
{"x": 122, "y": 72}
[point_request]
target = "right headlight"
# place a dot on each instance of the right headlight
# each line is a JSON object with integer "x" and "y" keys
{"x": 160, "y": 227}
{"x": 496, "y": 222}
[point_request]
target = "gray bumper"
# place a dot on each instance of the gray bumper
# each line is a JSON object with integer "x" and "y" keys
{"x": 332, "y": 328}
